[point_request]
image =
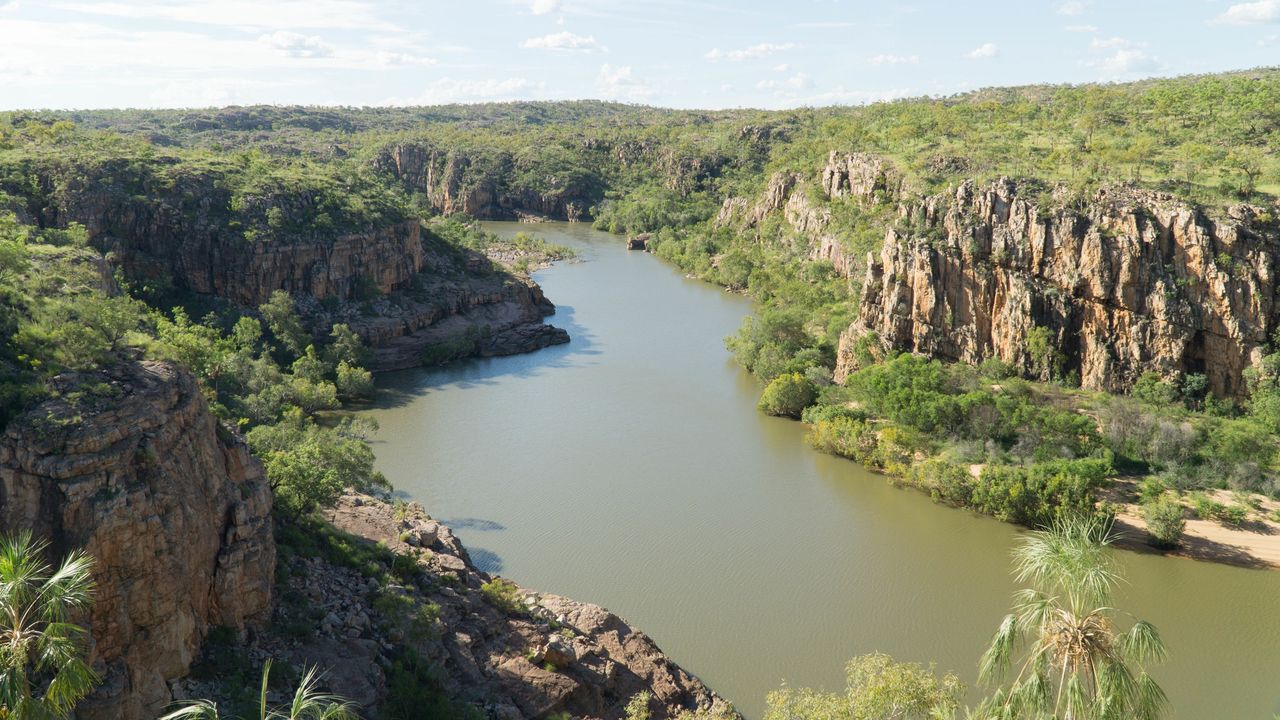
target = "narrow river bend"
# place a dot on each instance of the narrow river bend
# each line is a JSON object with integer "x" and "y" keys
{"x": 631, "y": 469}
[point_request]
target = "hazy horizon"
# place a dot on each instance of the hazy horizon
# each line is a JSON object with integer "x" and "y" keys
{"x": 151, "y": 54}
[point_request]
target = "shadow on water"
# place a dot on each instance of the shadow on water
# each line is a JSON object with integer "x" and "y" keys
{"x": 402, "y": 387}
{"x": 485, "y": 560}
{"x": 474, "y": 524}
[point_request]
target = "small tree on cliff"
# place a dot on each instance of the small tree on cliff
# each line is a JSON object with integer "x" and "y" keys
{"x": 43, "y": 673}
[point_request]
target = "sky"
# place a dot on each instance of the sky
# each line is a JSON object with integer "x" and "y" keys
{"x": 675, "y": 53}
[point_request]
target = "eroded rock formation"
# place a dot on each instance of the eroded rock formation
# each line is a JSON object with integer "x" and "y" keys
{"x": 1135, "y": 281}
{"x": 454, "y": 182}
{"x": 175, "y": 513}
{"x": 1128, "y": 282}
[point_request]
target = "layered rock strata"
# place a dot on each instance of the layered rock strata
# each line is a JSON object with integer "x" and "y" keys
{"x": 174, "y": 511}
{"x": 1127, "y": 282}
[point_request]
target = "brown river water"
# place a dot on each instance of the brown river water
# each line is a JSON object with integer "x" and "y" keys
{"x": 631, "y": 469}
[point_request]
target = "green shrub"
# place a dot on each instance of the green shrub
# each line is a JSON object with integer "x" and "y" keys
{"x": 1152, "y": 388}
{"x": 1150, "y": 489}
{"x": 1164, "y": 519}
{"x": 503, "y": 595}
{"x": 945, "y": 481}
{"x": 788, "y": 395}
{"x": 1205, "y": 507}
{"x": 1234, "y": 515}
{"x": 844, "y": 435}
{"x": 353, "y": 382}
{"x": 876, "y": 687}
{"x": 1038, "y": 494}
{"x": 416, "y": 691}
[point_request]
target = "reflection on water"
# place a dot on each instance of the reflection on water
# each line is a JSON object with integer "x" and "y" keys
{"x": 631, "y": 469}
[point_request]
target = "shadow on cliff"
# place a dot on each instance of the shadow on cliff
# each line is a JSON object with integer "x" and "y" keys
{"x": 401, "y": 387}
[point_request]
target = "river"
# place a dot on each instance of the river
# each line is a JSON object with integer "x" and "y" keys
{"x": 630, "y": 468}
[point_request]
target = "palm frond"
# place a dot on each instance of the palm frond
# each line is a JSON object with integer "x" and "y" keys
{"x": 1142, "y": 643}
{"x": 195, "y": 710}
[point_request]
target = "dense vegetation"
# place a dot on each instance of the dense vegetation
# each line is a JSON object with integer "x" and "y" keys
{"x": 1037, "y": 453}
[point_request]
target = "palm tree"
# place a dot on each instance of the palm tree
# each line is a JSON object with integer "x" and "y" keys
{"x": 43, "y": 673}
{"x": 1076, "y": 664}
{"x": 308, "y": 703}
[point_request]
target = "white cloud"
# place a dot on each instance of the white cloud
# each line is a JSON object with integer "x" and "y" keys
{"x": 296, "y": 44}
{"x": 1126, "y": 62}
{"x": 894, "y": 59}
{"x": 618, "y": 83}
{"x": 344, "y": 14}
{"x": 822, "y": 25}
{"x": 450, "y": 90}
{"x": 1269, "y": 40}
{"x": 543, "y": 7}
{"x": 1252, "y": 13}
{"x": 1073, "y": 7}
{"x": 9, "y": 6}
{"x": 1081, "y": 28}
{"x": 1121, "y": 58}
{"x": 748, "y": 53}
{"x": 399, "y": 59}
{"x": 564, "y": 42}
{"x": 986, "y": 50}
{"x": 1111, "y": 43}
{"x": 781, "y": 68}
{"x": 799, "y": 81}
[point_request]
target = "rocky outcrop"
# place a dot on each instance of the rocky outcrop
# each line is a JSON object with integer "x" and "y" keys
{"x": 459, "y": 306}
{"x": 810, "y": 223}
{"x": 174, "y": 511}
{"x": 403, "y": 289}
{"x": 246, "y": 273}
{"x": 547, "y": 655}
{"x": 1132, "y": 281}
{"x": 183, "y": 231}
{"x": 455, "y": 182}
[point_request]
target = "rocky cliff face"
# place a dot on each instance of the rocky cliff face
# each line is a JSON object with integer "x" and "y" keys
{"x": 397, "y": 286}
{"x": 1125, "y": 283}
{"x": 160, "y": 238}
{"x": 182, "y": 230}
{"x": 1134, "y": 282}
{"x": 1129, "y": 282}
{"x": 458, "y": 306}
{"x": 551, "y": 655}
{"x": 454, "y": 182}
{"x": 856, "y": 176}
{"x": 175, "y": 513}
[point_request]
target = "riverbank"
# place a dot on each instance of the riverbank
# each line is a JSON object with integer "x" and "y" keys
{"x": 653, "y": 504}
{"x": 1254, "y": 543}
{"x": 390, "y": 604}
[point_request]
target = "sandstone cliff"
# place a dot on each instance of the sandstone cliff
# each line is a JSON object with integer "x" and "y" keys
{"x": 1132, "y": 282}
{"x": 454, "y": 181}
{"x": 1127, "y": 282}
{"x": 408, "y": 293}
{"x": 458, "y": 305}
{"x": 130, "y": 466}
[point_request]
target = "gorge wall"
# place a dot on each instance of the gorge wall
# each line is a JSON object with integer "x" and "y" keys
{"x": 456, "y": 182}
{"x": 397, "y": 285}
{"x": 175, "y": 513}
{"x": 1127, "y": 282}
